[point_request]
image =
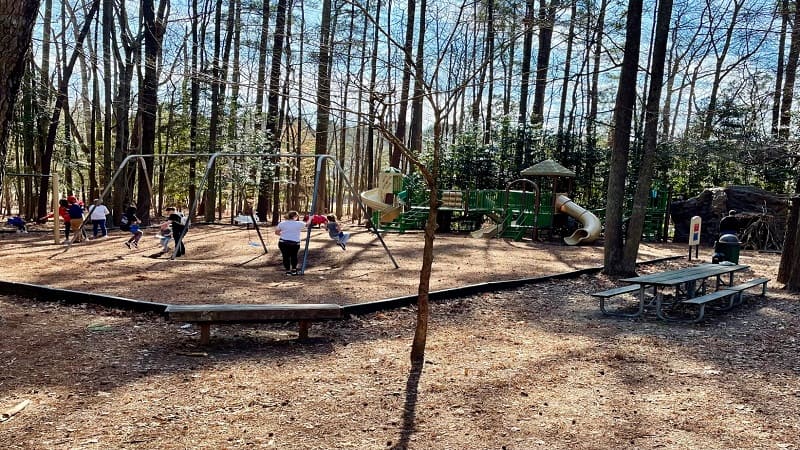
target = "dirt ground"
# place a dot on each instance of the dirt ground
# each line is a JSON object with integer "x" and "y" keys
{"x": 533, "y": 367}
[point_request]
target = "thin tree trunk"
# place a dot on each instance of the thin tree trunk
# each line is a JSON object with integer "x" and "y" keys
{"x": 791, "y": 75}
{"x": 547, "y": 18}
{"x": 783, "y": 10}
{"x": 405, "y": 86}
{"x": 323, "y": 96}
{"x": 527, "y": 53}
{"x": 273, "y": 97}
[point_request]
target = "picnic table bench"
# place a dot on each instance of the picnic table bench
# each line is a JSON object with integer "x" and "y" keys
{"x": 732, "y": 293}
{"x": 605, "y": 295}
{"x": 690, "y": 286}
{"x": 205, "y": 315}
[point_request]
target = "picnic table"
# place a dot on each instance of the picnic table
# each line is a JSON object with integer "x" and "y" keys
{"x": 687, "y": 282}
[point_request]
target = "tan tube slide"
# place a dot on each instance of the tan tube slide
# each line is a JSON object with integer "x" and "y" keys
{"x": 373, "y": 199}
{"x": 591, "y": 224}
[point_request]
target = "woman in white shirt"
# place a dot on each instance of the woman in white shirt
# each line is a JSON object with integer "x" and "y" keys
{"x": 99, "y": 212}
{"x": 289, "y": 243}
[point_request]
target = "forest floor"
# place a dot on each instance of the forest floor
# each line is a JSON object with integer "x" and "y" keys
{"x": 532, "y": 367}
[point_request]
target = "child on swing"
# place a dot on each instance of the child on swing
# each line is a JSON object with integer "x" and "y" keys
{"x": 336, "y": 233}
{"x": 130, "y": 222}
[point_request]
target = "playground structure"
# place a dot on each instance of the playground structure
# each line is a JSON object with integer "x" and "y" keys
{"x": 521, "y": 209}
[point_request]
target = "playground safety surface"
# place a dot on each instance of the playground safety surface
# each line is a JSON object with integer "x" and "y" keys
{"x": 225, "y": 264}
{"x": 533, "y": 367}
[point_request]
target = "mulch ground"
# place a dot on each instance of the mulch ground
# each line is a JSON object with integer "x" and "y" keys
{"x": 532, "y": 367}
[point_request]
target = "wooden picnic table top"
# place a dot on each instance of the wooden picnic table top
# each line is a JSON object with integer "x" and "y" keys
{"x": 685, "y": 275}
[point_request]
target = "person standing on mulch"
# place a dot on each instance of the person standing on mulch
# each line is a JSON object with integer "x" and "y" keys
{"x": 75, "y": 211}
{"x": 289, "y": 243}
{"x": 98, "y": 214}
{"x": 63, "y": 211}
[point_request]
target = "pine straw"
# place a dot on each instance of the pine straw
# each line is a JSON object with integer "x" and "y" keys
{"x": 534, "y": 367}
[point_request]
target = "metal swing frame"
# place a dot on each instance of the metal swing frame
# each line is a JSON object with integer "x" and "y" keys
{"x": 320, "y": 160}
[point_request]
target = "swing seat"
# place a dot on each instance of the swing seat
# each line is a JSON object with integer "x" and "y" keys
{"x": 242, "y": 219}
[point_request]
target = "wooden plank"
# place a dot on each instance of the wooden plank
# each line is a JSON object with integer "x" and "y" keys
{"x": 253, "y": 313}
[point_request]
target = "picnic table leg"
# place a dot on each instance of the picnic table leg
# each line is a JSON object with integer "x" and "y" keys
{"x": 205, "y": 333}
{"x": 304, "y": 326}
{"x": 690, "y": 288}
{"x": 641, "y": 299}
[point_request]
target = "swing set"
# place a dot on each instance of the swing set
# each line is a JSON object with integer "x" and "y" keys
{"x": 320, "y": 161}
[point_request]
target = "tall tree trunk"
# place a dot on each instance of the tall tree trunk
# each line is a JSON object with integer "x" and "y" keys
{"x": 373, "y": 76}
{"x": 594, "y": 83}
{"x": 421, "y": 330}
{"x": 405, "y": 85}
{"x": 273, "y": 97}
{"x": 154, "y": 28}
{"x": 711, "y": 111}
{"x": 194, "y": 105}
{"x": 547, "y": 18}
{"x": 210, "y": 193}
{"x": 791, "y": 75}
{"x": 323, "y": 97}
{"x": 618, "y": 168}
{"x": 419, "y": 79}
{"x": 61, "y": 98}
{"x": 527, "y": 53}
{"x": 16, "y": 24}
{"x": 108, "y": 28}
{"x": 265, "y": 180}
{"x": 783, "y": 10}
{"x": 561, "y": 144}
{"x": 636, "y": 224}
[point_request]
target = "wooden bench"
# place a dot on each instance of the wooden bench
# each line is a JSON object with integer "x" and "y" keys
{"x": 205, "y": 315}
{"x": 605, "y": 295}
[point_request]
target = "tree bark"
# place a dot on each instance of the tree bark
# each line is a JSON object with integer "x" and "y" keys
{"x": 154, "y": 28}
{"x": 323, "y": 98}
{"x": 618, "y": 168}
{"x": 273, "y": 97}
{"x": 61, "y": 98}
{"x": 547, "y": 18}
{"x": 527, "y": 52}
{"x": 783, "y": 10}
{"x": 16, "y": 24}
{"x": 640, "y": 199}
{"x": 791, "y": 76}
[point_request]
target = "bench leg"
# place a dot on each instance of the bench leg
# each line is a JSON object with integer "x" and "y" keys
{"x": 699, "y": 314}
{"x": 304, "y": 326}
{"x": 205, "y": 333}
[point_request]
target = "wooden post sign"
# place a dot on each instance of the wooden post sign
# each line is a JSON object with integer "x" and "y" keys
{"x": 694, "y": 235}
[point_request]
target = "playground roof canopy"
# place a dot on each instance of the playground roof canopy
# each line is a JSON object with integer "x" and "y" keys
{"x": 548, "y": 168}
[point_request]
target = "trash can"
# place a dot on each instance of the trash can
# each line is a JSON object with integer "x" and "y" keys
{"x": 727, "y": 249}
